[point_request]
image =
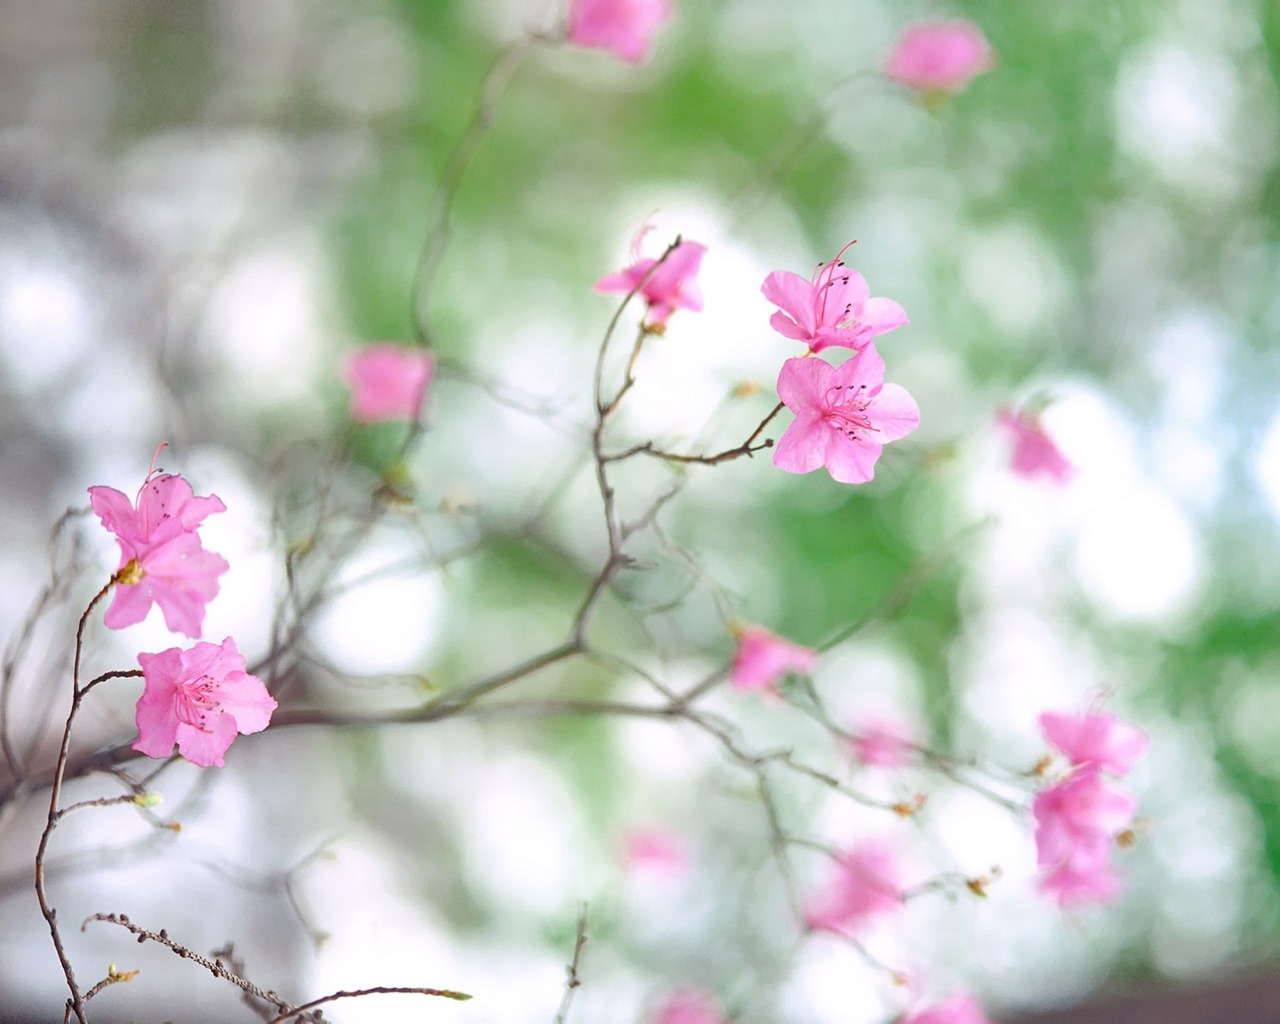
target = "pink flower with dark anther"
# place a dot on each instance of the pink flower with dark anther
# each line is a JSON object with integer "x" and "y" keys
{"x": 1034, "y": 453}
{"x": 387, "y": 381}
{"x": 833, "y": 309}
{"x": 688, "y": 1008}
{"x": 763, "y": 658}
{"x": 844, "y": 416}
{"x": 1077, "y": 822}
{"x": 668, "y": 288}
{"x": 1095, "y": 739}
{"x": 865, "y": 885}
{"x": 959, "y": 1009}
{"x": 161, "y": 557}
{"x": 939, "y": 57}
{"x": 199, "y": 699}
{"x": 881, "y": 744}
{"x": 623, "y": 27}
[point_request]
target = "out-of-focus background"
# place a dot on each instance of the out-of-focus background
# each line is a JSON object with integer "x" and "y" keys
{"x": 204, "y": 204}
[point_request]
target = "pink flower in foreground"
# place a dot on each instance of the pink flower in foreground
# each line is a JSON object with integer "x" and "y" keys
{"x": 1034, "y": 453}
{"x": 387, "y": 381}
{"x": 668, "y": 288}
{"x": 844, "y": 416}
{"x": 1095, "y": 739}
{"x": 161, "y": 558}
{"x": 835, "y": 308}
{"x": 199, "y": 699}
{"x": 688, "y": 1008}
{"x": 1077, "y": 821}
{"x": 939, "y": 57}
{"x": 763, "y": 658}
{"x": 961, "y": 1009}
{"x": 865, "y": 885}
{"x": 624, "y": 27}
{"x": 881, "y": 744}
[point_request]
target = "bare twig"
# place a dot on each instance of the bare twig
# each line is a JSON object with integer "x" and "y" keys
{"x": 572, "y": 982}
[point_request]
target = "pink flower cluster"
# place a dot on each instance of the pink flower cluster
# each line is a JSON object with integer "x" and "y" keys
{"x": 1079, "y": 817}
{"x": 199, "y": 699}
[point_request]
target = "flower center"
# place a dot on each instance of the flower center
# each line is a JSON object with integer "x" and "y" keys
{"x": 845, "y": 409}
{"x": 195, "y": 701}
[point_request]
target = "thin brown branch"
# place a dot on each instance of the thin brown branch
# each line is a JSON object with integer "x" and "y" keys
{"x": 377, "y": 990}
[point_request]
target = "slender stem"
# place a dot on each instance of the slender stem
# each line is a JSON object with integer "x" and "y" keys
{"x": 76, "y": 1003}
{"x": 572, "y": 982}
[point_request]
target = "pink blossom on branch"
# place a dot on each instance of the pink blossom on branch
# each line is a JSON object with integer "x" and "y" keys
{"x": 763, "y": 658}
{"x": 959, "y": 1009}
{"x": 865, "y": 885}
{"x": 1077, "y": 822}
{"x": 882, "y": 744}
{"x": 939, "y": 57}
{"x": 844, "y": 416}
{"x": 668, "y": 288}
{"x": 161, "y": 558}
{"x": 387, "y": 381}
{"x": 199, "y": 699}
{"x": 688, "y": 1008}
{"x": 1095, "y": 739}
{"x": 833, "y": 309}
{"x": 1034, "y": 452}
{"x": 623, "y": 27}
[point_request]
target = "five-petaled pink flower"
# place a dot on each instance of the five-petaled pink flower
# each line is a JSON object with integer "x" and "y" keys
{"x": 763, "y": 658}
{"x": 1095, "y": 739}
{"x": 959, "y": 1009}
{"x": 1034, "y": 453}
{"x": 865, "y": 885}
{"x": 688, "y": 1008}
{"x": 668, "y": 288}
{"x": 624, "y": 27}
{"x": 161, "y": 557}
{"x": 199, "y": 699}
{"x": 835, "y": 308}
{"x": 1077, "y": 821}
{"x": 844, "y": 416}
{"x": 939, "y": 57}
{"x": 387, "y": 381}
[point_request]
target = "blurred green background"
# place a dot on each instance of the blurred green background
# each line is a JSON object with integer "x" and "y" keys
{"x": 204, "y": 204}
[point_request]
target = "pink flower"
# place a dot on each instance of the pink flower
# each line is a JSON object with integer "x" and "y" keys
{"x": 161, "y": 558}
{"x": 1034, "y": 452}
{"x": 882, "y": 744}
{"x": 961, "y": 1009}
{"x": 835, "y": 308}
{"x": 688, "y": 1008}
{"x": 1095, "y": 739}
{"x": 387, "y": 381}
{"x": 654, "y": 850}
{"x": 668, "y": 288}
{"x": 199, "y": 699}
{"x": 624, "y": 27}
{"x": 939, "y": 57}
{"x": 844, "y": 416}
{"x": 1077, "y": 821}
{"x": 763, "y": 658}
{"x": 865, "y": 885}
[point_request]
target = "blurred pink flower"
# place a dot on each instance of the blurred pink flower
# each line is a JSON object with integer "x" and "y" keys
{"x": 650, "y": 849}
{"x": 1095, "y": 739}
{"x": 161, "y": 557}
{"x": 1034, "y": 452}
{"x": 1077, "y": 821}
{"x": 865, "y": 885}
{"x": 939, "y": 57}
{"x": 670, "y": 287}
{"x": 688, "y": 1008}
{"x": 199, "y": 699}
{"x": 960, "y": 1009}
{"x": 844, "y": 416}
{"x": 882, "y": 744}
{"x": 763, "y": 658}
{"x": 387, "y": 381}
{"x": 834, "y": 309}
{"x": 624, "y": 27}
